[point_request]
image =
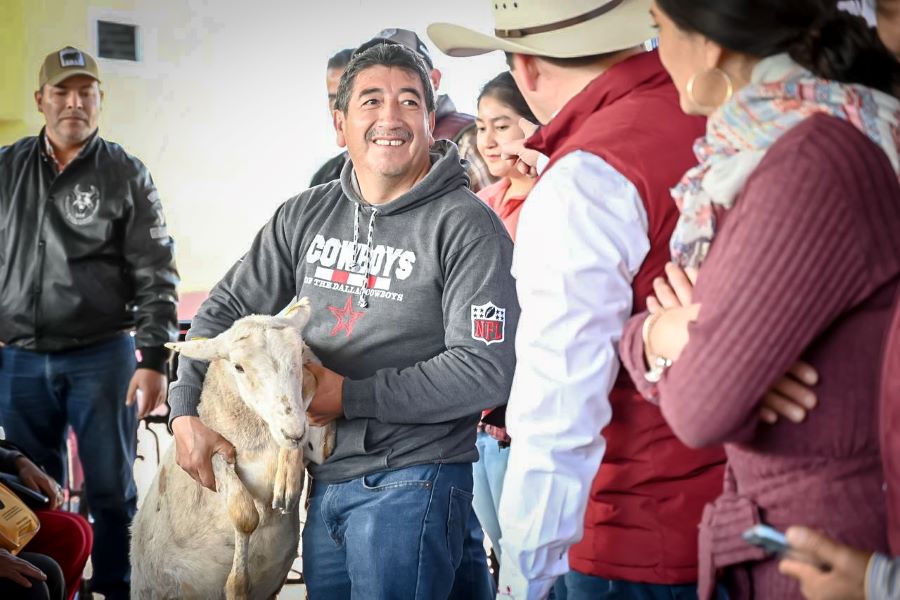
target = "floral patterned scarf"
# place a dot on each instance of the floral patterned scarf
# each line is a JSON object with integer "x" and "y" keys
{"x": 781, "y": 94}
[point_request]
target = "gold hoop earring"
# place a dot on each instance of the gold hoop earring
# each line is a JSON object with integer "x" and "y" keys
{"x": 729, "y": 88}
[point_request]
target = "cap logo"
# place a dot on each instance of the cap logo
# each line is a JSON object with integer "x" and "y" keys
{"x": 70, "y": 57}
{"x": 387, "y": 33}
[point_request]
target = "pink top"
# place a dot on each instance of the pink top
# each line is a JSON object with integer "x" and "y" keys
{"x": 806, "y": 265}
{"x": 507, "y": 211}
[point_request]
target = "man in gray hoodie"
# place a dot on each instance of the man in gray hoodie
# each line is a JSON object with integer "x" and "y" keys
{"x": 414, "y": 312}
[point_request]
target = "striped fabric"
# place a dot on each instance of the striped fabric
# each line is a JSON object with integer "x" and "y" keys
{"x": 353, "y": 279}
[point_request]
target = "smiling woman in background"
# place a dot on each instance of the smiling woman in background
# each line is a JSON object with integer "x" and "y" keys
{"x": 500, "y": 106}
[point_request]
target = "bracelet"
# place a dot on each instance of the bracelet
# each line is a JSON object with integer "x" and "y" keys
{"x": 659, "y": 363}
{"x": 645, "y": 331}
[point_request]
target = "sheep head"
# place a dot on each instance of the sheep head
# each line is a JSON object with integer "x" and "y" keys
{"x": 264, "y": 355}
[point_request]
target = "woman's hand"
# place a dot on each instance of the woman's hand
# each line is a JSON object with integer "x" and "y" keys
{"x": 18, "y": 569}
{"x": 39, "y": 481}
{"x": 845, "y": 580}
{"x": 672, "y": 308}
{"x": 790, "y": 397}
{"x": 675, "y": 290}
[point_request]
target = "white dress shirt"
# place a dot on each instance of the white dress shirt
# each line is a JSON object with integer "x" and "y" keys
{"x": 582, "y": 237}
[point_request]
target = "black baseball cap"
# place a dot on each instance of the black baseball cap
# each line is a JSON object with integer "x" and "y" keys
{"x": 403, "y": 37}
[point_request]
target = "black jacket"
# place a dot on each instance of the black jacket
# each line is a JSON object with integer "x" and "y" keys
{"x": 85, "y": 254}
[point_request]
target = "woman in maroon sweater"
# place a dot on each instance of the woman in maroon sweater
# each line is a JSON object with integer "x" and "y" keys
{"x": 794, "y": 214}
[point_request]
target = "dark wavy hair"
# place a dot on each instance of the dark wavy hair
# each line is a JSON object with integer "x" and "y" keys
{"x": 831, "y": 43}
{"x": 385, "y": 54}
{"x": 503, "y": 88}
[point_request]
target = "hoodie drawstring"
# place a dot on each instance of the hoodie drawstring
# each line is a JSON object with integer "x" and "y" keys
{"x": 363, "y": 300}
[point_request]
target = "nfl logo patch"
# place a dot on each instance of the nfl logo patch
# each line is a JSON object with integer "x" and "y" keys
{"x": 488, "y": 323}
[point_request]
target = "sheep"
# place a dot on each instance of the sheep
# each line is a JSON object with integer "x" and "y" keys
{"x": 190, "y": 543}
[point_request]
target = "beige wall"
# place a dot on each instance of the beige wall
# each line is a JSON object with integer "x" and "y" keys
{"x": 227, "y": 107}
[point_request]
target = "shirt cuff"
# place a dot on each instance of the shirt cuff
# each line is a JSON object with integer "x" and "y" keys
{"x": 153, "y": 357}
{"x": 183, "y": 402}
{"x": 358, "y": 398}
{"x": 515, "y": 586}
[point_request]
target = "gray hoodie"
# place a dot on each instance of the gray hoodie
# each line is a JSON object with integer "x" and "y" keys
{"x": 423, "y": 332}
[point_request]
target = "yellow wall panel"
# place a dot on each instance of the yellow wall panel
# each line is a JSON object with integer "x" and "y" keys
{"x": 13, "y": 88}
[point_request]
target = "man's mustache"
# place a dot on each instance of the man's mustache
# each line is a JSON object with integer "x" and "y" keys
{"x": 74, "y": 115}
{"x": 398, "y": 133}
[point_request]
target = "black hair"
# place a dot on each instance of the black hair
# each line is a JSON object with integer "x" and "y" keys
{"x": 340, "y": 59}
{"x": 386, "y": 55}
{"x": 503, "y": 88}
{"x": 831, "y": 43}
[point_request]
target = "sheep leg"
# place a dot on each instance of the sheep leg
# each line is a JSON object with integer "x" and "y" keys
{"x": 288, "y": 480}
{"x": 245, "y": 519}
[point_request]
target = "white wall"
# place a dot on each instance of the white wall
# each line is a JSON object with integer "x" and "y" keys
{"x": 229, "y": 107}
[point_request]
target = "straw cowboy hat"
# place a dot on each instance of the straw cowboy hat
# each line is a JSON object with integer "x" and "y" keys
{"x": 553, "y": 28}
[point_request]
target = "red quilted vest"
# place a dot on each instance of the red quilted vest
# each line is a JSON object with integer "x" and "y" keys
{"x": 647, "y": 498}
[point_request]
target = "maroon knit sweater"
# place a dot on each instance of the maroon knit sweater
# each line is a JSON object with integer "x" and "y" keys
{"x": 805, "y": 265}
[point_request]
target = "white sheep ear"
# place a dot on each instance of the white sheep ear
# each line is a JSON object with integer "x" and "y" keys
{"x": 199, "y": 348}
{"x": 298, "y": 312}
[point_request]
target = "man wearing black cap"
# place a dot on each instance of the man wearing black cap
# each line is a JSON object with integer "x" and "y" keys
{"x": 450, "y": 124}
{"x": 84, "y": 259}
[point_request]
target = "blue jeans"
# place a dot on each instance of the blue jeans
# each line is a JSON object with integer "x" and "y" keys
{"x": 488, "y": 475}
{"x": 578, "y": 586}
{"x": 388, "y": 535}
{"x": 40, "y": 393}
{"x": 473, "y": 577}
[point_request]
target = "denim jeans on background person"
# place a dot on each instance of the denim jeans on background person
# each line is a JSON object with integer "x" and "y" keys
{"x": 39, "y": 394}
{"x": 488, "y": 475}
{"x": 391, "y": 534}
{"x": 578, "y": 586}
{"x": 473, "y": 576}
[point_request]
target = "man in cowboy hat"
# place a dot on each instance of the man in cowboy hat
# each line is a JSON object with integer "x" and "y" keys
{"x": 591, "y": 239}
{"x": 84, "y": 258}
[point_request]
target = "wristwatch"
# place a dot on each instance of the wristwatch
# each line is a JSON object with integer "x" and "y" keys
{"x": 660, "y": 364}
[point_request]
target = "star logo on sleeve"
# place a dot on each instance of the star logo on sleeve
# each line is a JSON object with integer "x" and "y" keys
{"x": 346, "y": 318}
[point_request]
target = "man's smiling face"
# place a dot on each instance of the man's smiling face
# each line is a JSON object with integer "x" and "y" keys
{"x": 387, "y": 126}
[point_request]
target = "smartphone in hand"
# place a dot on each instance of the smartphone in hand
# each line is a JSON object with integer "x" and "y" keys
{"x": 774, "y": 542}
